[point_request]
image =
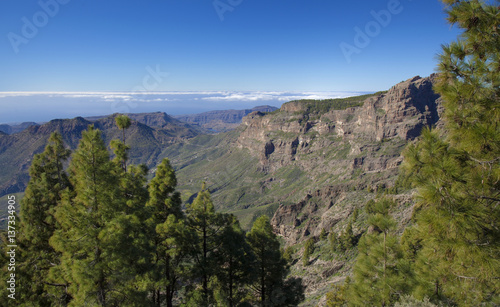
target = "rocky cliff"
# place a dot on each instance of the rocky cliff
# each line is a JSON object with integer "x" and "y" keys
{"x": 349, "y": 155}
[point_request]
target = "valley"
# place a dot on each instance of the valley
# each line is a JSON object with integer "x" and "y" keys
{"x": 308, "y": 165}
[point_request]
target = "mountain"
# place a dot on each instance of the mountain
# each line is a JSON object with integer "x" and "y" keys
{"x": 154, "y": 120}
{"x": 147, "y": 143}
{"x": 11, "y": 129}
{"x": 222, "y": 120}
{"x": 309, "y": 165}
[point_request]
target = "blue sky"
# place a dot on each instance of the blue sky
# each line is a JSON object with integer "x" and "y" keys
{"x": 187, "y": 45}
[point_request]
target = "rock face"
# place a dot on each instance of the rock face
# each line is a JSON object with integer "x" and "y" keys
{"x": 395, "y": 116}
{"x": 350, "y": 155}
{"x": 401, "y": 113}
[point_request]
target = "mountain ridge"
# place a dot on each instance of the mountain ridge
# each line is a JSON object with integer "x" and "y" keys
{"x": 309, "y": 165}
{"x": 221, "y": 120}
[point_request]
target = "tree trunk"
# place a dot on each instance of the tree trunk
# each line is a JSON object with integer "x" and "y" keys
{"x": 230, "y": 281}
{"x": 170, "y": 287}
{"x": 262, "y": 280}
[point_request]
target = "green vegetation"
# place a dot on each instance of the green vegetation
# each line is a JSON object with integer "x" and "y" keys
{"x": 451, "y": 254}
{"x": 99, "y": 235}
{"x": 457, "y": 173}
{"x": 308, "y": 250}
{"x": 90, "y": 235}
{"x": 379, "y": 272}
{"x": 325, "y": 105}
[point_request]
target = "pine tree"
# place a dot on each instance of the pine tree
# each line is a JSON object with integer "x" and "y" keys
{"x": 121, "y": 149}
{"x": 338, "y": 296}
{"x": 42, "y": 195}
{"x": 234, "y": 261}
{"x": 96, "y": 236}
{"x": 208, "y": 225}
{"x": 174, "y": 252}
{"x": 270, "y": 266}
{"x": 347, "y": 239}
{"x": 123, "y": 122}
{"x": 379, "y": 272}
{"x": 334, "y": 241}
{"x": 170, "y": 237}
{"x": 322, "y": 234}
{"x": 308, "y": 250}
{"x": 457, "y": 171}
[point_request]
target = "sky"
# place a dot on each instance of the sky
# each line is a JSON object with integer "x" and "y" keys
{"x": 233, "y": 50}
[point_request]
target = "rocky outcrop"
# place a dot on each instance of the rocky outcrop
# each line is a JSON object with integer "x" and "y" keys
{"x": 401, "y": 113}
{"x": 397, "y": 115}
{"x": 350, "y": 156}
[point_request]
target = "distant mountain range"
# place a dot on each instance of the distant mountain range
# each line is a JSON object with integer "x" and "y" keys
{"x": 147, "y": 142}
{"x": 11, "y": 129}
{"x": 222, "y": 120}
{"x": 148, "y": 136}
{"x": 212, "y": 121}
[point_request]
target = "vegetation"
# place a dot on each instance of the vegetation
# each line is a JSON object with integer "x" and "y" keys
{"x": 379, "y": 271}
{"x": 451, "y": 254}
{"x": 325, "y": 105}
{"x": 99, "y": 235}
{"x": 457, "y": 173}
{"x": 308, "y": 250}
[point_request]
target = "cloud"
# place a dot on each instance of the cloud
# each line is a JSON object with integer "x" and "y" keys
{"x": 277, "y": 96}
{"x": 44, "y": 106}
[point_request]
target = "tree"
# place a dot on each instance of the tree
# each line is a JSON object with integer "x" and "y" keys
{"x": 96, "y": 238}
{"x": 270, "y": 266}
{"x": 173, "y": 252}
{"x": 337, "y": 297}
{"x": 379, "y": 272}
{"x": 121, "y": 149}
{"x": 334, "y": 241}
{"x": 234, "y": 261}
{"x": 42, "y": 195}
{"x": 170, "y": 237}
{"x": 322, "y": 234}
{"x": 208, "y": 226}
{"x": 308, "y": 250}
{"x": 123, "y": 122}
{"x": 456, "y": 170}
{"x": 347, "y": 239}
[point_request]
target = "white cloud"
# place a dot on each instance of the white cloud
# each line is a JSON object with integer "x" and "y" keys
{"x": 44, "y": 106}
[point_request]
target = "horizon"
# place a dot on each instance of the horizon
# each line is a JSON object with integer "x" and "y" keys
{"x": 234, "y": 51}
{"x": 31, "y": 106}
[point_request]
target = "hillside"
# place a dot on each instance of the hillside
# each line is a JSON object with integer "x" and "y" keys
{"x": 17, "y": 150}
{"x": 11, "y": 129}
{"x": 221, "y": 120}
{"x": 309, "y": 165}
